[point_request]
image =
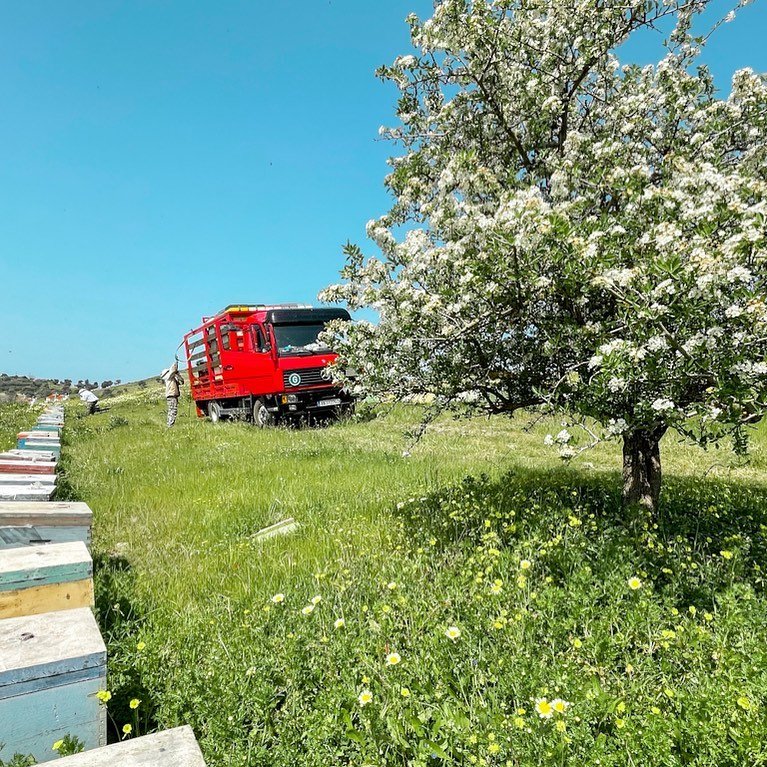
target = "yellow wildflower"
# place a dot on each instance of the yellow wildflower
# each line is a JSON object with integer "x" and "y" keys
{"x": 104, "y": 696}
{"x": 453, "y": 632}
{"x": 127, "y": 729}
{"x": 543, "y": 708}
{"x": 635, "y": 583}
{"x": 57, "y": 745}
{"x": 134, "y": 703}
{"x": 339, "y": 623}
{"x": 393, "y": 658}
{"x": 278, "y": 599}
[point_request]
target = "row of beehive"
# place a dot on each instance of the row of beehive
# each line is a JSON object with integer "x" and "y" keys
{"x": 52, "y": 656}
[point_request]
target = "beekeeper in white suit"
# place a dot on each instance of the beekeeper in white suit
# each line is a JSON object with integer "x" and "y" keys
{"x": 91, "y": 401}
{"x": 173, "y": 383}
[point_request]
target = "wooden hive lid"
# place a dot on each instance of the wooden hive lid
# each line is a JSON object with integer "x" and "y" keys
{"x": 40, "y": 565}
{"x": 18, "y": 513}
{"x": 171, "y": 748}
{"x": 49, "y": 650}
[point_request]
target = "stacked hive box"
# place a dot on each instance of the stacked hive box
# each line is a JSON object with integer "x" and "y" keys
{"x": 43, "y": 579}
{"x": 28, "y": 472}
{"x": 23, "y": 523}
{"x": 52, "y": 656}
{"x": 52, "y": 667}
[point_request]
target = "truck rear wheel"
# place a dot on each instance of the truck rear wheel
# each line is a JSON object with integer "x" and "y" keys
{"x": 261, "y": 416}
{"x": 214, "y": 412}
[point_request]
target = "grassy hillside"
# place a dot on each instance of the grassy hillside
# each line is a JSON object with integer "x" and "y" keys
{"x": 416, "y": 617}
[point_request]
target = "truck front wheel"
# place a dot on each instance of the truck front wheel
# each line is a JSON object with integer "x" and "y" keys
{"x": 261, "y": 416}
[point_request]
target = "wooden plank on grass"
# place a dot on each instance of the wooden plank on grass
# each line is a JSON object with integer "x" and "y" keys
{"x": 51, "y": 667}
{"x": 171, "y": 748}
{"x": 280, "y": 528}
{"x": 54, "y": 435}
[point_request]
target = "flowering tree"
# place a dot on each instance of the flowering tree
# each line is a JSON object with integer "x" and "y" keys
{"x": 569, "y": 231}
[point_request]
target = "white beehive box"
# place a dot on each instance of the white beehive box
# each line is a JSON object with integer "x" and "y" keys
{"x": 51, "y": 667}
{"x": 172, "y": 748}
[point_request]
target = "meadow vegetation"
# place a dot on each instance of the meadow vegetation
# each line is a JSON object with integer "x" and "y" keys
{"x": 419, "y": 616}
{"x": 15, "y": 417}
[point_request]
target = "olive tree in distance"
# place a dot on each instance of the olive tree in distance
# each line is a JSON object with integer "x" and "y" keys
{"x": 570, "y": 230}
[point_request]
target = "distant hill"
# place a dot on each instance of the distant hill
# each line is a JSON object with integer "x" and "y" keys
{"x": 13, "y": 387}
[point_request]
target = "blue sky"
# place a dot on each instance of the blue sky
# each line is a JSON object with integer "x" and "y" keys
{"x": 160, "y": 159}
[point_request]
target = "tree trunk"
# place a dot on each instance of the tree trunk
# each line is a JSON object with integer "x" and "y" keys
{"x": 641, "y": 468}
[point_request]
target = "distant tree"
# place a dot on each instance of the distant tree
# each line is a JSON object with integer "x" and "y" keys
{"x": 580, "y": 234}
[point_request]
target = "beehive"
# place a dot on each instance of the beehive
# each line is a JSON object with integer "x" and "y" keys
{"x": 27, "y": 467}
{"x": 6, "y": 478}
{"x": 26, "y": 493}
{"x": 38, "y": 445}
{"x": 43, "y": 456}
{"x": 52, "y": 522}
{"x": 172, "y": 748}
{"x": 41, "y": 579}
{"x": 51, "y": 667}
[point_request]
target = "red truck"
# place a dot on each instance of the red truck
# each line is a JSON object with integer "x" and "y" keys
{"x": 263, "y": 363}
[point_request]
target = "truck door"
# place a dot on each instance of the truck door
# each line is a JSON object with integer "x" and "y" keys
{"x": 264, "y": 365}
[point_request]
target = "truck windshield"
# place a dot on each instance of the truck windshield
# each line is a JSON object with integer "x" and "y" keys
{"x": 299, "y": 339}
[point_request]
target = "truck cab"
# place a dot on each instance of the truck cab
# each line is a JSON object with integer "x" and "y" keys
{"x": 264, "y": 363}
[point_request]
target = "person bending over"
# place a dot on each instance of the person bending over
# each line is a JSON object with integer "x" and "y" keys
{"x": 91, "y": 401}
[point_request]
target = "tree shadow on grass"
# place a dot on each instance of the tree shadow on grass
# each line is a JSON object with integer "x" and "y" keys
{"x": 121, "y": 615}
{"x": 708, "y": 534}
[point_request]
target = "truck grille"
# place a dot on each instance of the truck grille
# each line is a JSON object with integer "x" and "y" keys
{"x": 305, "y": 377}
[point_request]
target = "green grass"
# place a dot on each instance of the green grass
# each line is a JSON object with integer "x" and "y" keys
{"x": 15, "y": 417}
{"x": 401, "y": 548}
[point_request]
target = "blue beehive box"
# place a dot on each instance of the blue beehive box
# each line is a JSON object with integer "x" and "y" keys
{"x": 51, "y": 667}
{"x": 24, "y": 523}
